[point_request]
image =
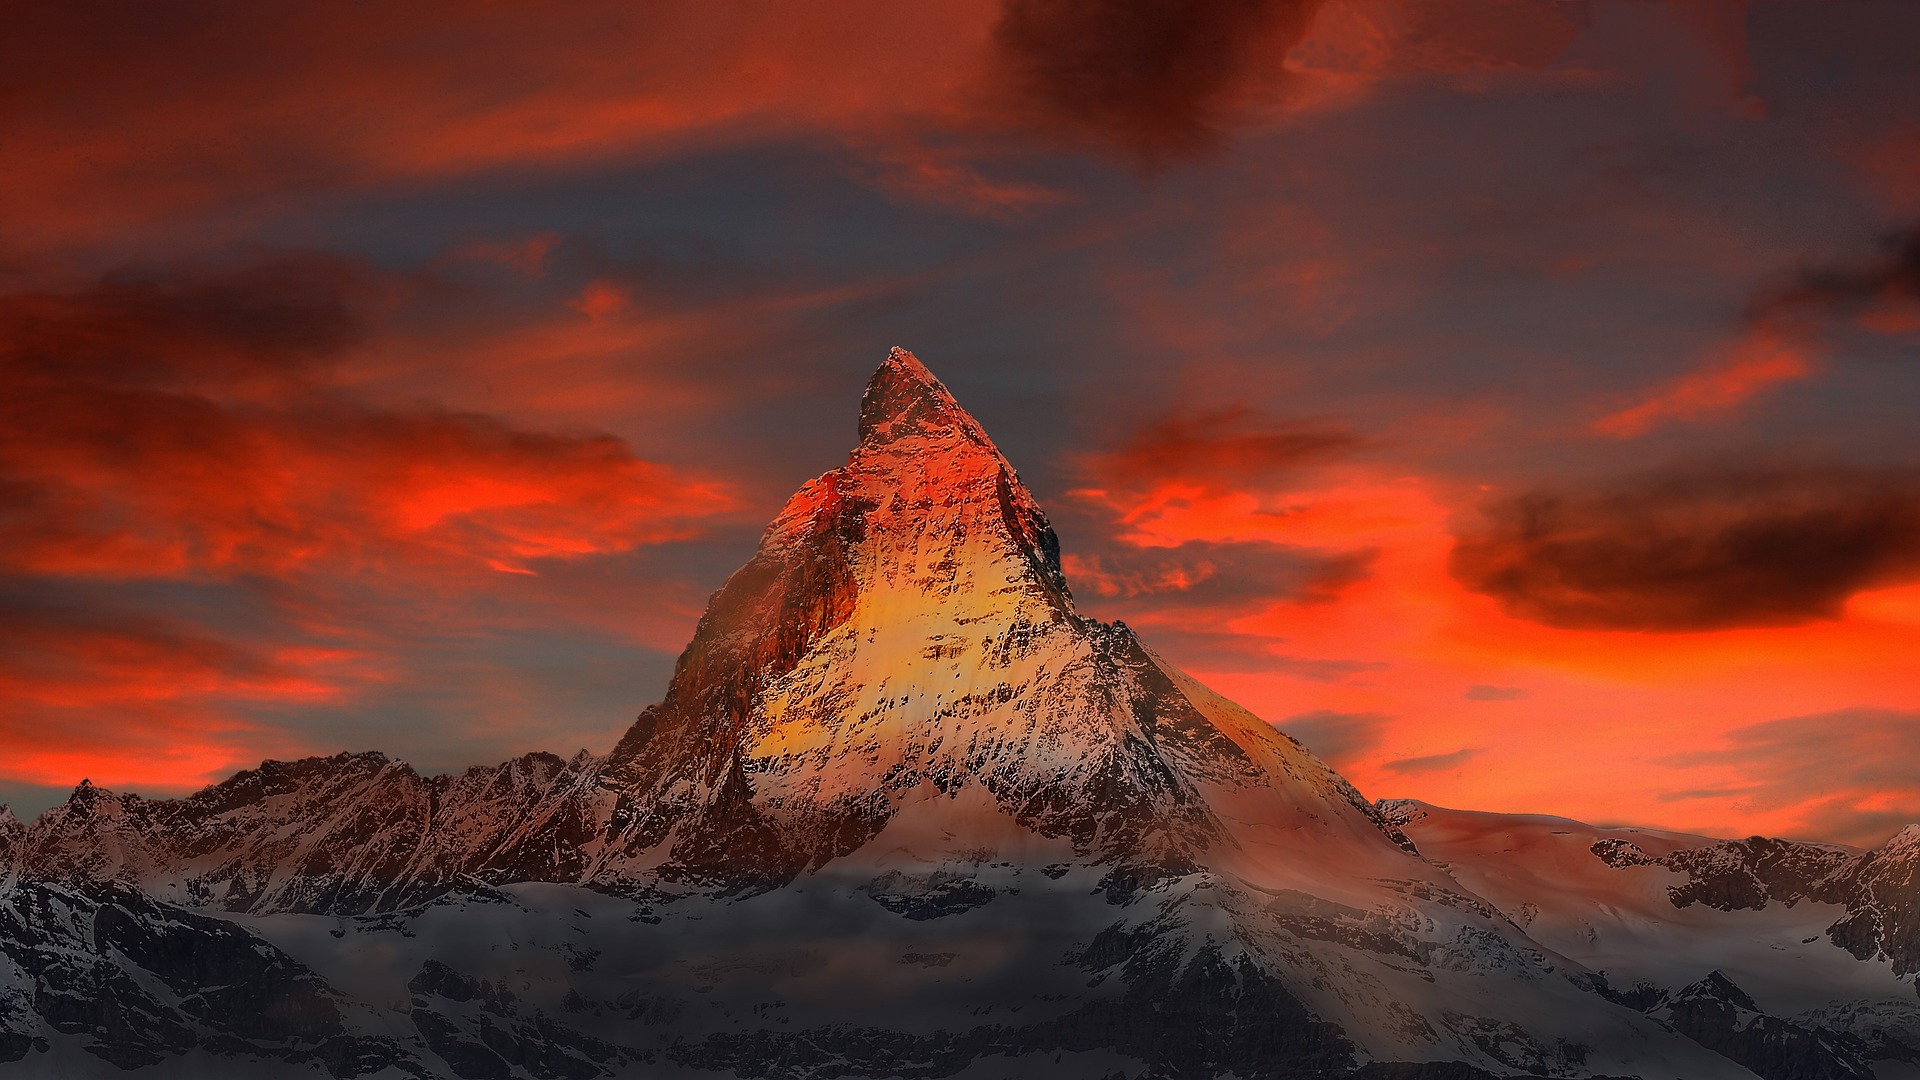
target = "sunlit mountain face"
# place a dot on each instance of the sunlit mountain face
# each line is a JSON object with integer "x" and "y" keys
{"x": 1496, "y": 405}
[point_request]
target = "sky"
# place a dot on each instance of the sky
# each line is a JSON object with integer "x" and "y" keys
{"x": 1515, "y": 400}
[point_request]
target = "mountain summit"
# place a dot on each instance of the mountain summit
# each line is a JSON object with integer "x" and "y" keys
{"x": 904, "y": 641}
{"x": 903, "y": 811}
{"x": 904, "y": 399}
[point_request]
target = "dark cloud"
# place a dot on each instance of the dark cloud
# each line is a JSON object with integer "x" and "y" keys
{"x": 1484, "y": 692}
{"x": 1848, "y": 773}
{"x": 1882, "y": 286}
{"x": 187, "y": 326}
{"x": 1702, "y": 547}
{"x": 1430, "y": 763}
{"x": 1158, "y": 80}
{"x": 1338, "y": 738}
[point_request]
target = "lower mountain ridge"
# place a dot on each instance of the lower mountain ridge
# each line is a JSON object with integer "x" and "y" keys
{"x": 903, "y": 812}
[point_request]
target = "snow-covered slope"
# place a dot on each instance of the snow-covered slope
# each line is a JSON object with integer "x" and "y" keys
{"x": 901, "y": 812}
{"x": 1750, "y": 935}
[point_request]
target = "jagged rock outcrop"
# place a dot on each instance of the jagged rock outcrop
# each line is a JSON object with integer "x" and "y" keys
{"x": 1882, "y": 895}
{"x": 348, "y": 833}
{"x": 12, "y": 833}
{"x": 1717, "y": 1014}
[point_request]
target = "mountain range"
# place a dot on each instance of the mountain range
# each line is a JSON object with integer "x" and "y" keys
{"x": 903, "y": 812}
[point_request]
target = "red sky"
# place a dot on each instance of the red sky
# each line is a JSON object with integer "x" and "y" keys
{"x": 1513, "y": 399}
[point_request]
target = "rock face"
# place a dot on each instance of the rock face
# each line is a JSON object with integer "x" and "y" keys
{"x": 350, "y": 833}
{"x": 1717, "y": 1014}
{"x": 11, "y": 834}
{"x": 904, "y": 812}
{"x": 1882, "y": 895}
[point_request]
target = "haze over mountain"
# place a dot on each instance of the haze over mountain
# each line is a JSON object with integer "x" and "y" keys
{"x": 904, "y": 812}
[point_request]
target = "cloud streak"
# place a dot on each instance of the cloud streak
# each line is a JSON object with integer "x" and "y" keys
{"x": 1846, "y": 775}
{"x": 1431, "y": 763}
{"x": 1759, "y": 362}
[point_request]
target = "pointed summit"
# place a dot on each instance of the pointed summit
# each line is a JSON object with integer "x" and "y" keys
{"x": 903, "y": 642}
{"x": 903, "y": 398}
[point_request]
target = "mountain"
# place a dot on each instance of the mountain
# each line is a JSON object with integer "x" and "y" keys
{"x": 1793, "y": 958}
{"x": 902, "y": 811}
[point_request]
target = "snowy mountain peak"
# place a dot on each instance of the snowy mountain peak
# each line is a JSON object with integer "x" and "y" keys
{"x": 1907, "y": 839}
{"x": 904, "y": 642}
{"x": 903, "y": 398}
{"x": 11, "y": 833}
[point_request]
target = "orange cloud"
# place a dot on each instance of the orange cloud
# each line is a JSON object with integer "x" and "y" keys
{"x": 599, "y": 301}
{"x": 1418, "y": 683}
{"x": 916, "y": 172}
{"x": 1755, "y": 364}
{"x": 199, "y": 442}
{"x": 183, "y": 428}
{"x": 113, "y": 123}
{"x": 127, "y": 699}
{"x": 1846, "y": 774}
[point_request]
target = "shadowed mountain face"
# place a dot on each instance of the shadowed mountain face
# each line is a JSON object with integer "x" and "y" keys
{"x": 904, "y": 812}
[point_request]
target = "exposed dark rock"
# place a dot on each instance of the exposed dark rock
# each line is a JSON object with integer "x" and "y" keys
{"x": 1745, "y": 874}
{"x": 1882, "y": 894}
{"x": 1621, "y": 854}
{"x": 1721, "y": 1017}
{"x": 140, "y": 981}
{"x": 469, "y": 1058}
{"x": 932, "y": 896}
